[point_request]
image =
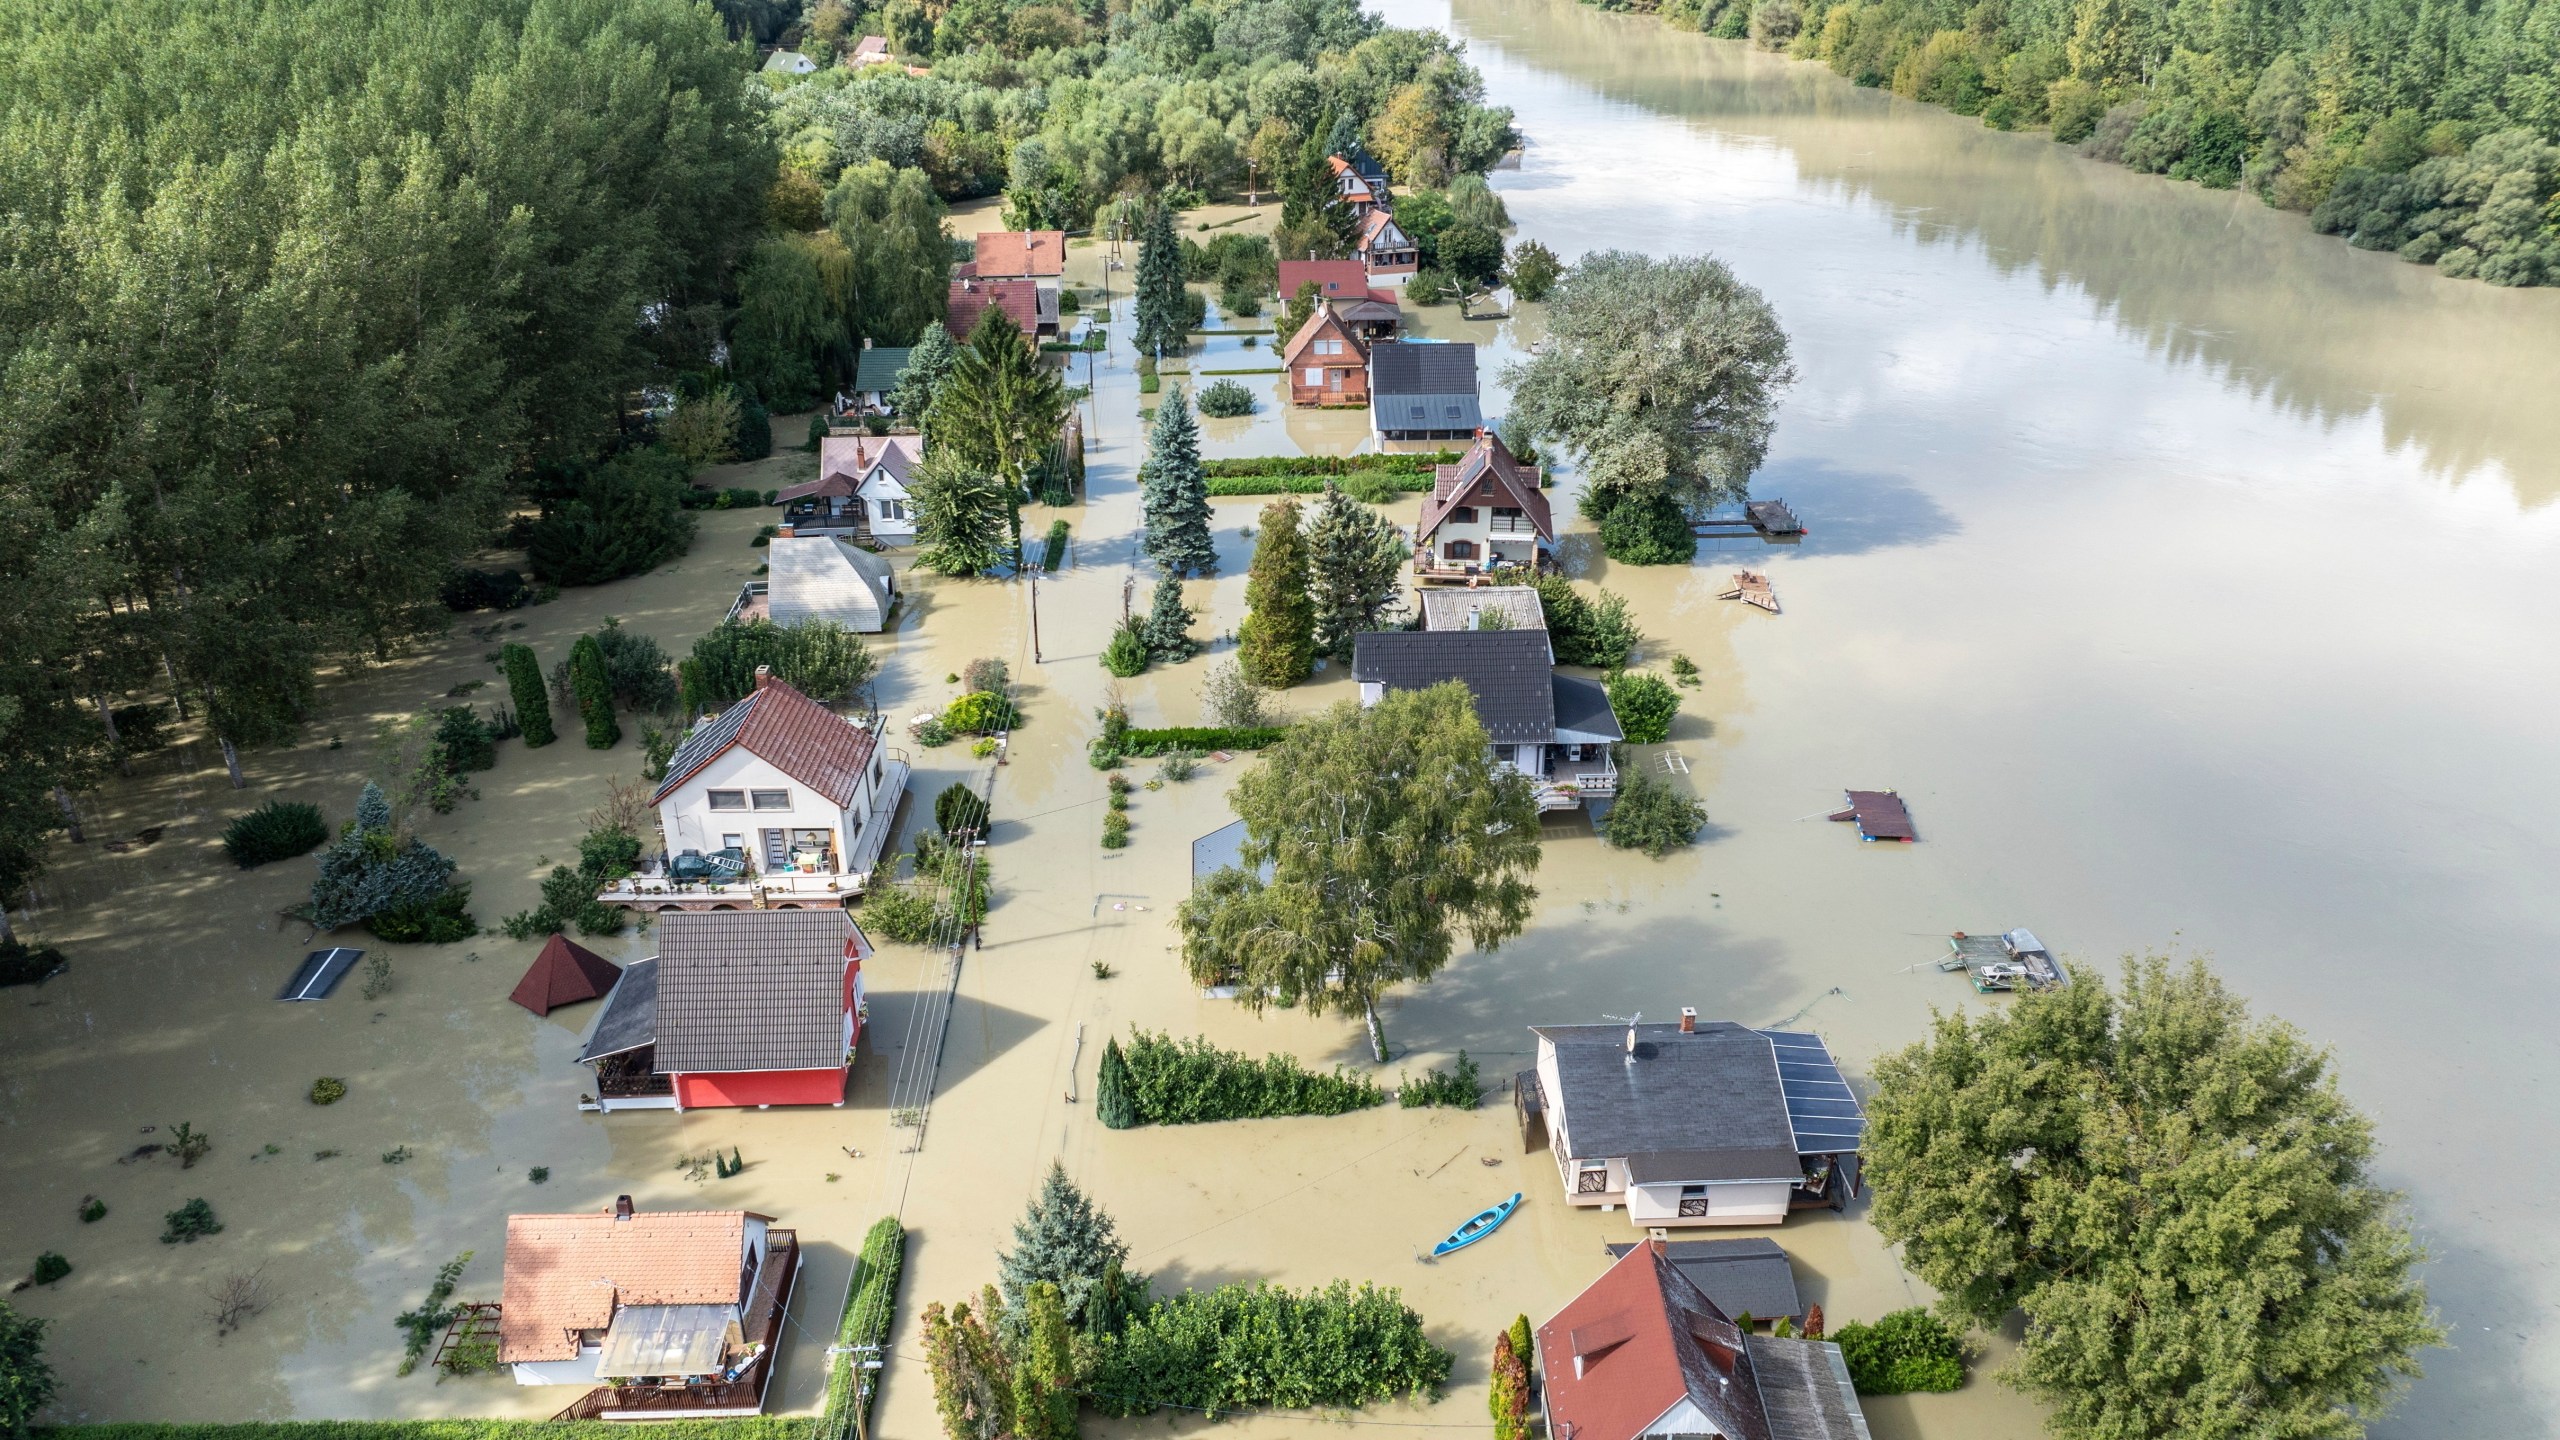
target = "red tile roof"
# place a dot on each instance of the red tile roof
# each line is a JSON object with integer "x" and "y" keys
{"x": 1487, "y": 475}
{"x": 1325, "y": 322}
{"x": 1007, "y": 253}
{"x": 1333, "y": 279}
{"x": 795, "y": 734}
{"x": 970, "y": 296}
{"x": 565, "y": 973}
{"x": 566, "y": 1273}
{"x": 1638, "y": 1342}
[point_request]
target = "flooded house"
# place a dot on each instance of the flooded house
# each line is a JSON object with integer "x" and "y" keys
{"x": 777, "y": 802}
{"x": 738, "y": 1008}
{"x": 819, "y": 577}
{"x": 1486, "y": 512}
{"x": 869, "y": 50}
{"x": 1423, "y": 390}
{"x": 1645, "y": 1352}
{"x": 1554, "y": 729}
{"x": 1032, "y": 306}
{"x": 1035, "y": 260}
{"x": 861, "y": 489}
{"x": 1372, "y": 314}
{"x": 1360, "y": 180}
{"x": 664, "y": 1314}
{"x": 1328, "y": 361}
{"x": 875, "y": 375}
{"x": 1692, "y": 1124}
{"x": 1387, "y": 254}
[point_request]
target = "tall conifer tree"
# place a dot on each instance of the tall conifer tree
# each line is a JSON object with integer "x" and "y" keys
{"x": 1278, "y": 638}
{"x": 1175, "y": 491}
{"x": 1169, "y": 639}
{"x": 1161, "y": 319}
{"x": 1354, "y": 558}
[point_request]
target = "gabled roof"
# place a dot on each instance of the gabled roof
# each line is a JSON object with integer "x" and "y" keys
{"x": 1358, "y": 159}
{"x": 970, "y": 297}
{"x": 1379, "y": 231}
{"x": 877, "y": 368}
{"x": 565, "y": 973}
{"x": 1333, "y": 279}
{"x": 787, "y": 730}
{"x": 898, "y": 466}
{"x": 1326, "y": 323}
{"x": 567, "y": 1273}
{"x": 1643, "y": 1342}
{"x": 820, "y": 577}
{"x": 1680, "y": 1107}
{"x": 1003, "y": 254}
{"x": 1486, "y": 475}
{"x": 869, "y": 50}
{"x": 1583, "y": 713}
{"x": 752, "y": 989}
{"x": 1740, "y": 1277}
{"x": 858, "y": 451}
{"x": 1416, "y": 367}
{"x": 629, "y": 1019}
{"x": 1510, "y": 671}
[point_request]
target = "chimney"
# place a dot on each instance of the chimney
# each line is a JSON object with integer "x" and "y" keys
{"x": 764, "y": 677}
{"x": 1688, "y": 1019}
{"x": 1661, "y": 1243}
{"x": 621, "y": 1207}
{"x": 784, "y": 532}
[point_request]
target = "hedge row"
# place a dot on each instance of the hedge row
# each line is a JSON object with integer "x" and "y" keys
{"x": 761, "y": 1427}
{"x": 1329, "y": 464}
{"x": 869, "y": 1305}
{"x": 1302, "y": 484}
{"x": 1143, "y": 743}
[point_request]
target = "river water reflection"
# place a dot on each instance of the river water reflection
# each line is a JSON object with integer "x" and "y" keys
{"x": 2189, "y": 573}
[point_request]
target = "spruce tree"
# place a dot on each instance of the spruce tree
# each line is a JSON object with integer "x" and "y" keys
{"x": 1044, "y": 1369}
{"x": 960, "y": 515}
{"x": 1161, "y": 320}
{"x": 1168, "y": 632}
{"x": 1354, "y": 559}
{"x": 1112, "y": 1103}
{"x": 533, "y": 699}
{"x": 1065, "y": 1239}
{"x": 929, "y": 363}
{"x": 594, "y": 689}
{"x": 1175, "y": 492}
{"x": 1278, "y": 637}
{"x": 373, "y": 811}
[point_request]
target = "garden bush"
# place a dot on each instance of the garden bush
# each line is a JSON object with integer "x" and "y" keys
{"x": 1054, "y": 552}
{"x": 1189, "y": 1082}
{"x": 277, "y": 830}
{"x": 190, "y": 1222}
{"x": 1246, "y": 1347}
{"x": 1115, "y": 829}
{"x": 588, "y": 680}
{"x": 1145, "y": 744}
{"x": 1905, "y": 1352}
{"x": 568, "y": 901}
{"x": 50, "y": 1267}
{"x": 1126, "y": 655}
{"x": 1648, "y": 530}
{"x": 24, "y": 964}
{"x": 463, "y": 741}
{"x": 524, "y": 686}
{"x": 637, "y": 673}
{"x": 1599, "y": 631}
{"x": 143, "y": 727}
{"x": 1652, "y": 817}
{"x": 1361, "y": 484}
{"x": 1459, "y": 1088}
{"x": 1225, "y": 400}
{"x": 328, "y": 1090}
{"x": 625, "y": 518}
{"x": 433, "y": 920}
{"x": 819, "y": 658}
{"x": 1644, "y": 703}
{"x": 372, "y": 870}
{"x": 982, "y": 713}
{"x": 958, "y": 808}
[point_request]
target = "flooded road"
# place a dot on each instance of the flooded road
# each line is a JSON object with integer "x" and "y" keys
{"x": 2187, "y": 573}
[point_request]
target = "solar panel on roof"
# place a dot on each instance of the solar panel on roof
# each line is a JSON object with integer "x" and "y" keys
{"x": 1821, "y": 1108}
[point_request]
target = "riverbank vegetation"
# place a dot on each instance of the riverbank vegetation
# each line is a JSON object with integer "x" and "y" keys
{"x": 2098, "y": 1158}
{"x": 2420, "y": 129}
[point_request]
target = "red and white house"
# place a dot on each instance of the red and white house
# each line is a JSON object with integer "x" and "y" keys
{"x": 738, "y": 1008}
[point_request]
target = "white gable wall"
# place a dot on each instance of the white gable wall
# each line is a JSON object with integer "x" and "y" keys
{"x": 887, "y": 505}
{"x": 689, "y": 822}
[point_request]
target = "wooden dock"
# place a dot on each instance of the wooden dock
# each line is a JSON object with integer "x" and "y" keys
{"x": 1752, "y": 588}
{"x": 1880, "y": 815}
{"x": 2015, "y": 960}
{"x": 1771, "y": 520}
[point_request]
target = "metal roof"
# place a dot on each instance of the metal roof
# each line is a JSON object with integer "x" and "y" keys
{"x": 1419, "y": 368}
{"x": 1583, "y": 715}
{"x": 751, "y": 989}
{"x": 629, "y": 1019}
{"x": 1821, "y": 1108}
{"x": 1742, "y": 1277}
{"x": 1508, "y": 670}
{"x": 877, "y": 368}
{"x": 1805, "y": 1392}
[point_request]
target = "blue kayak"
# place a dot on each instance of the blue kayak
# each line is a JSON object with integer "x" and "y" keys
{"x": 1484, "y": 1223}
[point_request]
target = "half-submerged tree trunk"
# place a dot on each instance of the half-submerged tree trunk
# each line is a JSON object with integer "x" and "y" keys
{"x": 70, "y": 815}
{"x": 231, "y": 762}
{"x": 1377, "y": 1032}
{"x": 107, "y": 717}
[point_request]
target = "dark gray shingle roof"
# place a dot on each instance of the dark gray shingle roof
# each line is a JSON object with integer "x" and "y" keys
{"x": 1804, "y": 1388}
{"x": 1406, "y": 367}
{"x": 1582, "y": 711}
{"x": 1714, "y": 1093}
{"x": 1508, "y": 670}
{"x": 751, "y": 989}
{"x": 629, "y": 1019}
{"x": 1742, "y": 1277}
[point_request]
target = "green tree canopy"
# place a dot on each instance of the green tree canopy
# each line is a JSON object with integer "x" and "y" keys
{"x": 1663, "y": 376}
{"x": 929, "y": 363}
{"x": 1389, "y": 833}
{"x": 1174, "y": 492}
{"x": 890, "y": 224}
{"x": 1000, "y": 411}
{"x": 1163, "y": 318}
{"x": 1066, "y": 1240}
{"x": 26, "y": 1380}
{"x": 2175, "y": 1194}
{"x": 961, "y": 516}
{"x": 1354, "y": 561}
{"x": 1277, "y": 641}
{"x": 819, "y": 658}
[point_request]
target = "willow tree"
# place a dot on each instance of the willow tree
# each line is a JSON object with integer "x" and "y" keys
{"x": 1388, "y": 833}
{"x": 2177, "y": 1197}
{"x": 1664, "y": 377}
{"x": 891, "y": 226}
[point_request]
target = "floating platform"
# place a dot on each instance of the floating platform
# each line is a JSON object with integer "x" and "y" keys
{"x": 1752, "y": 588}
{"x": 1772, "y": 520}
{"x": 2014, "y": 960}
{"x": 1880, "y": 815}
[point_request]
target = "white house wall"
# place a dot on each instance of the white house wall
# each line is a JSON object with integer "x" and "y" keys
{"x": 581, "y": 1371}
{"x": 689, "y": 822}
{"x": 880, "y": 485}
{"x": 1736, "y": 1203}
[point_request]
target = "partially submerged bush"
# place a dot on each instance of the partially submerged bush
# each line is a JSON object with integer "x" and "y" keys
{"x": 328, "y": 1090}
{"x": 1906, "y": 1351}
{"x": 190, "y": 1222}
{"x": 1225, "y": 400}
{"x": 982, "y": 713}
{"x": 277, "y": 830}
{"x": 1644, "y": 704}
{"x": 1459, "y": 1088}
{"x": 1652, "y": 817}
{"x": 1185, "y": 1082}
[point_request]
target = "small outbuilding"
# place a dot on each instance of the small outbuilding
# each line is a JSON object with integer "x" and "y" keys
{"x": 565, "y": 973}
{"x": 1742, "y": 1277}
{"x": 1880, "y": 815}
{"x": 820, "y": 577}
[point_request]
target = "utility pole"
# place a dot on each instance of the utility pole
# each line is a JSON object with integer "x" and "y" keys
{"x": 1035, "y": 617}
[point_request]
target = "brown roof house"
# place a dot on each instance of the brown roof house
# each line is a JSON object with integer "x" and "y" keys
{"x": 1328, "y": 361}
{"x": 1694, "y": 1124}
{"x": 1032, "y": 305}
{"x": 565, "y": 973}
{"x": 1022, "y": 255}
{"x": 1389, "y": 255}
{"x": 861, "y": 489}
{"x": 774, "y": 802}
{"x": 1645, "y": 1352}
{"x": 1485, "y": 513}
{"x": 666, "y": 1313}
{"x": 1373, "y": 313}
{"x": 738, "y": 1008}
{"x": 870, "y": 50}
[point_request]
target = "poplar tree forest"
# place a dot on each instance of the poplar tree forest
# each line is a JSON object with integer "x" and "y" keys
{"x": 2431, "y": 130}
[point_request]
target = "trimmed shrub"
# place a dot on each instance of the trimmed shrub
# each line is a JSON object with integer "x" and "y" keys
{"x": 819, "y": 658}
{"x": 1645, "y": 703}
{"x": 1460, "y": 1088}
{"x": 277, "y": 830}
{"x": 1421, "y": 464}
{"x": 594, "y": 689}
{"x": 1190, "y": 1082}
{"x": 1148, "y": 743}
{"x": 533, "y": 700}
{"x": 1264, "y": 1346}
{"x": 981, "y": 713}
{"x": 1115, "y": 829}
{"x": 1112, "y": 1104}
{"x": 1905, "y": 1352}
{"x": 868, "y": 1310}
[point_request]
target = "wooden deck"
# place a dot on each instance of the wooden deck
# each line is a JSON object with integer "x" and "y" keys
{"x": 1752, "y": 588}
{"x": 1880, "y": 815}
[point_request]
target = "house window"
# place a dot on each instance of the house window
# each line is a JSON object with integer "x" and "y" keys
{"x": 1328, "y": 347}
{"x": 1458, "y": 550}
{"x": 773, "y": 799}
{"x": 1315, "y": 375}
{"x": 1463, "y": 515}
{"x": 733, "y": 842}
{"x": 875, "y": 769}
{"x": 728, "y": 799}
{"x": 1454, "y": 412}
{"x": 893, "y": 509}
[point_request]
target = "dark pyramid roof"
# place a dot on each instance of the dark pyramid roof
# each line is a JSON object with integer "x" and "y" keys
{"x": 565, "y": 973}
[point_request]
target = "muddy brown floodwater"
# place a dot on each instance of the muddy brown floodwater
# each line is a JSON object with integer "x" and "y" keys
{"x": 2187, "y": 572}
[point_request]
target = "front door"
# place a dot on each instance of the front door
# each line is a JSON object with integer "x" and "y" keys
{"x": 777, "y": 851}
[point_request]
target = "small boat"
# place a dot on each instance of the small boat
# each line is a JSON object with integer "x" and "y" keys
{"x": 1484, "y": 1223}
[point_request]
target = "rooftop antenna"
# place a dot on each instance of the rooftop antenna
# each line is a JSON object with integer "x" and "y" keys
{"x": 1630, "y": 1021}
